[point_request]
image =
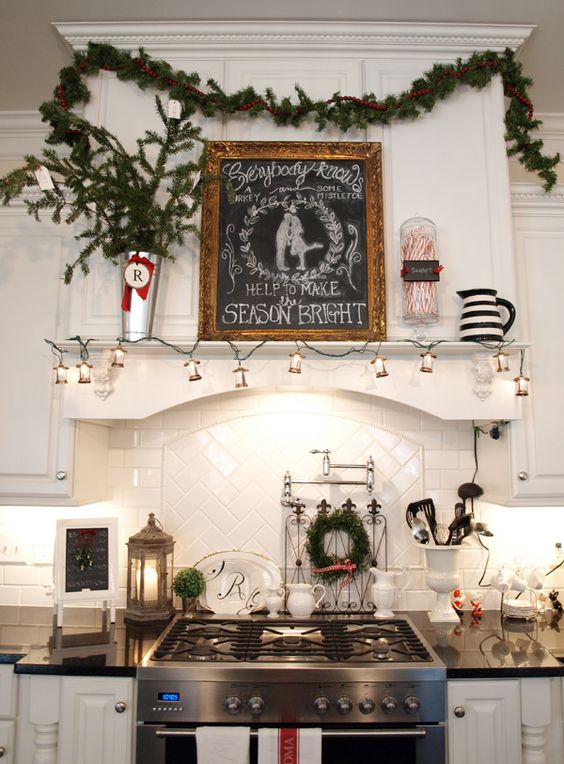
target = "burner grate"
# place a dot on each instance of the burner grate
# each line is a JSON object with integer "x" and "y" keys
{"x": 319, "y": 640}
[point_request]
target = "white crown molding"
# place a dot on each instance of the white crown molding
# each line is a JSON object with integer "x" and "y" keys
{"x": 250, "y": 37}
{"x": 552, "y": 126}
{"x": 530, "y": 197}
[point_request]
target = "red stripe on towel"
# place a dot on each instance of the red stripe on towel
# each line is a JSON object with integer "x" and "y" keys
{"x": 289, "y": 743}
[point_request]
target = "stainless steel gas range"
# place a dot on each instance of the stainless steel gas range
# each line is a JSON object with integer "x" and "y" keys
{"x": 375, "y": 681}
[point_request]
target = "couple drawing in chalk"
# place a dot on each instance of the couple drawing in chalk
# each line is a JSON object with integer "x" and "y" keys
{"x": 290, "y": 240}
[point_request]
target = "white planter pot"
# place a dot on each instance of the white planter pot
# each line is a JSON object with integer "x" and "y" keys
{"x": 442, "y": 576}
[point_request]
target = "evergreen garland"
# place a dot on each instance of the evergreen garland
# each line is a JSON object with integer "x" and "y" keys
{"x": 342, "y": 111}
{"x": 343, "y": 521}
{"x": 119, "y": 193}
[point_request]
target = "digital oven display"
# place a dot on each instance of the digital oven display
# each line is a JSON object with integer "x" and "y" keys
{"x": 169, "y": 697}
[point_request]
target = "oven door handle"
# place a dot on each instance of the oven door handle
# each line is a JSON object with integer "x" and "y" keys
{"x": 411, "y": 732}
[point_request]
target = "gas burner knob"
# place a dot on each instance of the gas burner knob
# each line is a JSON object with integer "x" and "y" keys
{"x": 256, "y": 704}
{"x": 321, "y": 704}
{"x": 389, "y": 704}
{"x": 232, "y": 704}
{"x": 366, "y": 706}
{"x": 344, "y": 705}
{"x": 411, "y": 704}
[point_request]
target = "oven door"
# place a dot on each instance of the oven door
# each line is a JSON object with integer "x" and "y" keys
{"x": 420, "y": 744}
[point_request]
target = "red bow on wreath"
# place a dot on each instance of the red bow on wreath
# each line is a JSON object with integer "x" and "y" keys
{"x": 346, "y": 565}
{"x": 142, "y": 291}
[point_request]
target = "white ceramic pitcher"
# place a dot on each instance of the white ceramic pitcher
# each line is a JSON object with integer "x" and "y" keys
{"x": 301, "y": 600}
{"x": 384, "y": 590}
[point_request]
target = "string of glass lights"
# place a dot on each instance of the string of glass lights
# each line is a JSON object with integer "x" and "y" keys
{"x": 378, "y": 362}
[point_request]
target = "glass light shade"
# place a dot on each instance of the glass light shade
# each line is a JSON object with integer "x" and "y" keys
{"x": 521, "y": 385}
{"x": 192, "y": 369}
{"x": 379, "y": 364}
{"x": 118, "y": 358}
{"x": 240, "y": 378}
{"x": 149, "y": 574}
{"x": 502, "y": 361}
{"x": 427, "y": 362}
{"x": 84, "y": 369}
{"x": 61, "y": 374}
{"x": 296, "y": 362}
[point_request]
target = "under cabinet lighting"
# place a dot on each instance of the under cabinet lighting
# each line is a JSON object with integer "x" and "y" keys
{"x": 379, "y": 364}
{"x": 427, "y": 362}
{"x": 84, "y": 372}
{"x": 118, "y": 356}
{"x": 240, "y": 378}
{"x": 296, "y": 362}
{"x": 192, "y": 369}
{"x": 61, "y": 374}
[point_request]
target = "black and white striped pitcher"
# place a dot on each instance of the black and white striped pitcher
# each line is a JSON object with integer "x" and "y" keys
{"x": 480, "y": 320}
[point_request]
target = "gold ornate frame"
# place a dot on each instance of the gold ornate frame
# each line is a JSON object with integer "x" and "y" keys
{"x": 368, "y": 156}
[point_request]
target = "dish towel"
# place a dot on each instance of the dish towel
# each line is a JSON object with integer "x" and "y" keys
{"x": 288, "y": 745}
{"x": 225, "y": 745}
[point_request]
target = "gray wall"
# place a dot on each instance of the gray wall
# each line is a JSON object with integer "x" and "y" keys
{"x": 31, "y": 52}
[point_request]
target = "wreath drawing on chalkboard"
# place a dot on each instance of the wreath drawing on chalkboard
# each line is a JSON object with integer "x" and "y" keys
{"x": 83, "y": 554}
{"x": 306, "y": 276}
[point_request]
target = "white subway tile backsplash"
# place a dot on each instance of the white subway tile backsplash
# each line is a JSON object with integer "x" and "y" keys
{"x": 212, "y": 471}
{"x": 116, "y": 457}
{"x": 441, "y": 460}
{"x": 401, "y": 418}
{"x": 459, "y": 440}
{"x": 121, "y": 477}
{"x": 143, "y": 497}
{"x": 150, "y": 478}
{"x": 124, "y": 438}
{"x": 157, "y": 438}
{"x": 143, "y": 457}
{"x": 35, "y": 595}
{"x": 10, "y": 595}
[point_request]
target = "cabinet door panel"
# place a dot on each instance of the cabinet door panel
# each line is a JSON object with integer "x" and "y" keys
{"x": 489, "y": 732}
{"x": 33, "y": 440}
{"x": 91, "y": 730}
{"x": 536, "y": 451}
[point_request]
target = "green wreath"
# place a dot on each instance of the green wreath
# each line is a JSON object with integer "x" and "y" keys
{"x": 332, "y": 568}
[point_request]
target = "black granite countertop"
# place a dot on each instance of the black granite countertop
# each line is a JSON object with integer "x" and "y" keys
{"x": 87, "y": 645}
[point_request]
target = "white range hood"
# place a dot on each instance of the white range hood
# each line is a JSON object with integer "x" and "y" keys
{"x": 450, "y": 165}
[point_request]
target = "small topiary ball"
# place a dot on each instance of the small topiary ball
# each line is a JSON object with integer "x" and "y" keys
{"x": 188, "y": 582}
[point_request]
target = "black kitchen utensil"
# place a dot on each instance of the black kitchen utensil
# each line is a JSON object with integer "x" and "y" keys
{"x": 456, "y": 529}
{"x": 459, "y": 509}
{"x": 469, "y": 491}
{"x": 427, "y": 506}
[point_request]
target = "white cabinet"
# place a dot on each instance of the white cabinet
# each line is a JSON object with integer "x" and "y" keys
{"x": 484, "y": 722}
{"x": 8, "y": 697}
{"x": 96, "y": 720}
{"x": 505, "y": 721}
{"x": 83, "y": 720}
{"x": 526, "y": 467}
{"x": 37, "y": 444}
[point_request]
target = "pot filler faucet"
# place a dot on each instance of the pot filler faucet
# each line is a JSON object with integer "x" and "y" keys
{"x": 287, "y": 500}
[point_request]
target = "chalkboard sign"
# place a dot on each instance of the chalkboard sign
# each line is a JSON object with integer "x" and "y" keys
{"x": 85, "y": 560}
{"x": 292, "y": 242}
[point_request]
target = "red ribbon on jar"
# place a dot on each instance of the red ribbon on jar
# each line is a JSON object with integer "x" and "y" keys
{"x": 138, "y": 275}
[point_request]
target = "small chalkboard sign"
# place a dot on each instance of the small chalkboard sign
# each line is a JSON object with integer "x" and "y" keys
{"x": 85, "y": 561}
